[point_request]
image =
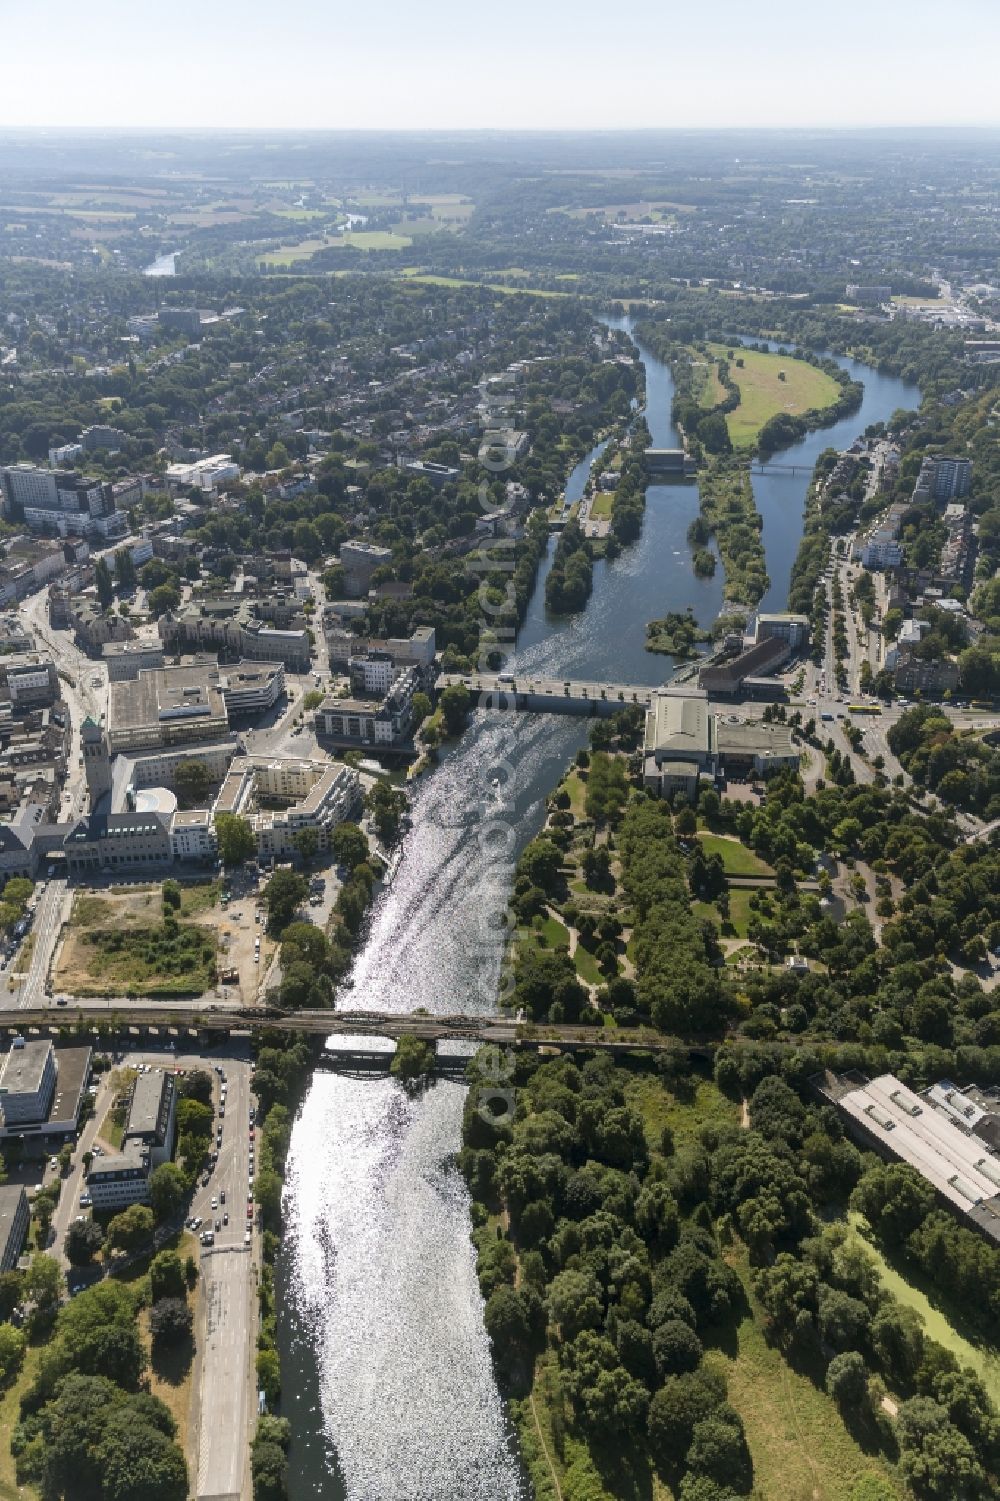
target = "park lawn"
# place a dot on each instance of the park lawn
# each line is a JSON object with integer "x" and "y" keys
{"x": 587, "y": 966}
{"x": 708, "y": 390}
{"x": 947, "y": 1327}
{"x": 9, "y": 1417}
{"x": 600, "y": 506}
{"x": 555, "y": 933}
{"x": 737, "y": 860}
{"x": 736, "y": 925}
{"x": 686, "y": 1116}
{"x": 800, "y": 1447}
{"x": 577, "y": 793}
{"x": 763, "y": 395}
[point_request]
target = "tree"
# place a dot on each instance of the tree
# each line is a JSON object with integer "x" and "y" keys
{"x": 575, "y": 1303}
{"x": 125, "y": 570}
{"x": 84, "y": 1239}
{"x": 104, "y": 582}
{"x": 681, "y": 1402}
{"x": 43, "y": 1285}
{"x": 413, "y": 1059}
{"x": 236, "y": 839}
{"x": 166, "y": 1276}
{"x": 13, "y": 1343}
{"x": 196, "y": 1084}
{"x": 718, "y": 1448}
{"x": 170, "y": 1321}
{"x": 455, "y": 703}
{"x": 306, "y": 841}
{"x": 162, "y": 599}
{"x": 132, "y": 1229}
{"x": 194, "y": 1118}
{"x": 387, "y": 804}
{"x": 193, "y": 780}
{"x": 139, "y": 1462}
{"x": 11, "y": 1292}
{"x": 349, "y": 844}
{"x": 421, "y": 707}
{"x": 269, "y": 1374}
{"x": 283, "y": 895}
{"x": 676, "y": 1348}
{"x": 847, "y": 1381}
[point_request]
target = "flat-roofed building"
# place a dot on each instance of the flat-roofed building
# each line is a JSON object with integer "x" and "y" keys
{"x": 41, "y": 1091}
{"x": 931, "y": 1133}
{"x": 126, "y": 659}
{"x": 117, "y": 1180}
{"x": 252, "y": 687}
{"x": 753, "y": 746}
{"x": 166, "y": 706}
{"x": 192, "y": 836}
{"x": 783, "y": 626}
{"x": 15, "y": 1216}
{"x": 679, "y": 744}
{"x": 27, "y": 1082}
{"x": 151, "y": 1115}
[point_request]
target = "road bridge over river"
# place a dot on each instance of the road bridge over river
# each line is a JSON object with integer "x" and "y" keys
{"x": 542, "y": 695}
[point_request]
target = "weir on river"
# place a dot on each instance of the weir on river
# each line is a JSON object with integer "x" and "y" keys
{"x": 385, "y": 1362}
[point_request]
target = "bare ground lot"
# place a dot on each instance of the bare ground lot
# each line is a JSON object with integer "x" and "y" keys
{"x": 88, "y": 962}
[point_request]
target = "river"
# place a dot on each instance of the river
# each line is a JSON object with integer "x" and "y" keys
{"x": 385, "y": 1361}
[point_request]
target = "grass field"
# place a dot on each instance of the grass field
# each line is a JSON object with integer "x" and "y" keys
{"x": 587, "y": 966}
{"x": 373, "y": 239}
{"x": 600, "y": 506}
{"x": 9, "y": 1416}
{"x": 801, "y": 1450}
{"x": 739, "y": 913}
{"x": 763, "y": 395}
{"x": 737, "y": 860}
{"x": 686, "y": 1112}
{"x": 948, "y": 1328}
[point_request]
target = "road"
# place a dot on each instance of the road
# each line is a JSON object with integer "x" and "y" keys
{"x": 68, "y": 1206}
{"x": 227, "y": 1337}
{"x": 82, "y": 697}
{"x": 50, "y": 913}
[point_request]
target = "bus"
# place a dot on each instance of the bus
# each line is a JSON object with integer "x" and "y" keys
{"x": 864, "y": 708}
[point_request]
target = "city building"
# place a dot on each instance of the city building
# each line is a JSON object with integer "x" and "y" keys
{"x": 208, "y": 474}
{"x": 41, "y": 1091}
{"x": 685, "y": 741}
{"x": 126, "y": 659}
{"x": 949, "y": 1136}
{"x": 15, "y": 1217}
{"x": 166, "y": 706}
{"x": 781, "y": 626}
{"x": 180, "y": 320}
{"x": 867, "y": 296}
{"x": 27, "y": 1082}
{"x": 28, "y": 682}
{"x": 359, "y": 561}
{"x": 952, "y": 477}
{"x": 100, "y": 439}
{"x": 59, "y": 502}
{"x": 319, "y": 795}
{"x": 116, "y": 1180}
{"x": 726, "y": 679}
{"x": 151, "y": 1115}
{"x": 386, "y": 722}
{"x": 234, "y": 628}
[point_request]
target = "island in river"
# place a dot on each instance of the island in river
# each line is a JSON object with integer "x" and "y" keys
{"x": 676, "y": 635}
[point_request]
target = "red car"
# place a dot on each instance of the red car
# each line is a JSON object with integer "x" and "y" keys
{"x": 249, "y": 1212}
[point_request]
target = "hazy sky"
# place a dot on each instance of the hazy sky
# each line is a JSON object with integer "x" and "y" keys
{"x": 523, "y": 63}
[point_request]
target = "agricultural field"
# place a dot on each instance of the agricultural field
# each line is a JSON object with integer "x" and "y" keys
{"x": 763, "y": 392}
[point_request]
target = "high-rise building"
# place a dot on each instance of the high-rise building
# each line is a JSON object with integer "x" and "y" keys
{"x": 96, "y": 760}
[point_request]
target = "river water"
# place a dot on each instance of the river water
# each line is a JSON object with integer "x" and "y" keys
{"x": 385, "y": 1361}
